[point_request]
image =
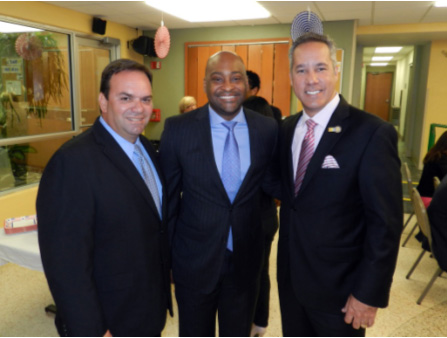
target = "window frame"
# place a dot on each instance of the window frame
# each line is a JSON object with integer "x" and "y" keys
{"x": 74, "y": 38}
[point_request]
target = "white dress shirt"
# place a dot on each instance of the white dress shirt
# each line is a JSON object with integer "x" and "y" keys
{"x": 322, "y": 119}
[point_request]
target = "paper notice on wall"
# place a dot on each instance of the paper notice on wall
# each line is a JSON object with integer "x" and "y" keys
{"x": 14, "y": 87}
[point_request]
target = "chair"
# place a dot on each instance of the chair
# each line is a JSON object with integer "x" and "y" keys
{"x": 424, "y": 225}
{"x": 410, "y": 189}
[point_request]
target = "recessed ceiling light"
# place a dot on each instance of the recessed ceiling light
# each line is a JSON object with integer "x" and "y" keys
{"x": 382, "y": 58}
{"x": 6, "y": 27}
{"x": 378, "y": 64}
{"x": 387, "y": 50}
{"x": 211, "y": 11}
{"x": 440, "y": 3}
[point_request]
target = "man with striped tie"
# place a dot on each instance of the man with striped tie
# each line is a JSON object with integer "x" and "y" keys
{"x": 341, "y": 211}
{"x": 101, "y": 208}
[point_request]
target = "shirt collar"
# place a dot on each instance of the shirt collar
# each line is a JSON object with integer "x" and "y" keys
{"x": 324, "y": 115}
{"x": 127, "y": 146}
{"x": 216, "y": 119}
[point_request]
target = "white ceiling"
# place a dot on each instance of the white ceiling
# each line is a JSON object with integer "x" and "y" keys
{"x": 137, "y": 14}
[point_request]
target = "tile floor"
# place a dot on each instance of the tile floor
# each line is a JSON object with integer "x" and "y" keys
{"x": 24, "y": 294}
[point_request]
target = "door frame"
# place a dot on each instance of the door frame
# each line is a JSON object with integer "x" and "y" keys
{"x": 115, "y": 53}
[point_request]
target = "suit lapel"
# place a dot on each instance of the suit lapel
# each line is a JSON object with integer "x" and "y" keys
{"x": 328, "y": 141}
{"x": 255, "y": 143}
{"x": 288, "y": 138}
{"x": 206, "y": 140}
{"x": 154, "y": 158}
{"x": 121, "y": 161}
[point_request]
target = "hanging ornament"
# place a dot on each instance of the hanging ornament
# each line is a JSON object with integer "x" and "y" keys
{"x": 162, "y": 41}
{"x": 306, "y": 22}
{"x": 28, "y": 46}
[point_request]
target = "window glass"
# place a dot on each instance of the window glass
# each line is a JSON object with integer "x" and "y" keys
{"x": 23, "y": 163}
{"x": 35, "y": 93}
{"x": 36, "y": 111}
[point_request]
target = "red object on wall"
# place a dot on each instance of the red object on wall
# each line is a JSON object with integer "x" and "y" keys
{"x": 156, "y": 115}
{"x": 156, "y": 65}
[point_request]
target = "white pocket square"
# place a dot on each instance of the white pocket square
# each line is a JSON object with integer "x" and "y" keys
{"x": 330, "y": 163}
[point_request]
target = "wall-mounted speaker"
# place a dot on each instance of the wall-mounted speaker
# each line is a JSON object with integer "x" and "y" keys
{"x": 99, "y": 26}
{"x": 144, "y": 45}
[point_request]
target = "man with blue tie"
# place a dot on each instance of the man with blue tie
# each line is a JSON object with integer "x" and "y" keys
{"x": 102, "y": 210}
{"x": 214, "y": 160}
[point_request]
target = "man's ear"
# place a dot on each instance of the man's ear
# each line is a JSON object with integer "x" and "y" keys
{"x": 102, "y": 102}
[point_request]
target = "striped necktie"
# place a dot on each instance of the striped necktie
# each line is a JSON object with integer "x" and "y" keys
{"x": 307, "y": 150}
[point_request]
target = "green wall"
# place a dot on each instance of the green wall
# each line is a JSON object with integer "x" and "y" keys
{"x": 168, "y": 83}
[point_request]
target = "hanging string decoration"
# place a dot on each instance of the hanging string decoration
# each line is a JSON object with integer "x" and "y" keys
{"x": 306, "y": 22}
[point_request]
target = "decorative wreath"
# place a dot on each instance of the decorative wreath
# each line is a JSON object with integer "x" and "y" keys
{"x": 28, "y": 46}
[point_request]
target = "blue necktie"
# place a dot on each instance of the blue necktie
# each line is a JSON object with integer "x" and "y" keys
{"x": 231, "y": 169}
{"x": 148, "y": 176}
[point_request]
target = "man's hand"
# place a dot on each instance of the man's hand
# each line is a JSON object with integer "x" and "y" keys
{"x": 108, "y": 334}
{"x": 359, "y": 314}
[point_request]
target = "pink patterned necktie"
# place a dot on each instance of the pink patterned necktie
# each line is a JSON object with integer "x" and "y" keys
{"x": 307, "y": 150}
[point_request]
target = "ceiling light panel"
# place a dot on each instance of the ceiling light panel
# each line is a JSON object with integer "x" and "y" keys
{"x": 6, "y": 27}
{"x": 379, "y": 64}
{"x": 440, "y": 3}
{"x": 211, "y": 11}
{"x": 382, "y": 58}
{"x": 387, "y": 50}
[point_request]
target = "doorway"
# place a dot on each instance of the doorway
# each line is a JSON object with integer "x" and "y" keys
{"x": 378, "y": 94}
{"x": 92, "y": 57}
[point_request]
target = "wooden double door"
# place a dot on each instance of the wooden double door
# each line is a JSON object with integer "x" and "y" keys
{"x": 269, "y": 59}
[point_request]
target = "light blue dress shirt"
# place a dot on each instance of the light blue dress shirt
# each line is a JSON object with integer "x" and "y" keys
{"x": 219, "y": 134}
{"x": 128, "y": 148}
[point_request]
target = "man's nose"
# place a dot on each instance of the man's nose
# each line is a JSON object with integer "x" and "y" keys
{"x": 138, "y": 106}
{"x": 311, "y": 77}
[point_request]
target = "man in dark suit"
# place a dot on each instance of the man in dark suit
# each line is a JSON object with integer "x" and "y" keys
{"x": 101, "y": 226}
{"x": 437, "y": 214}
{"x": 254, "y": 85}
{"x": 341, "y": 217}
{"x": 215, "y": 225}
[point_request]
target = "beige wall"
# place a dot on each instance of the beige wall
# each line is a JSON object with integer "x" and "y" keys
{"x": 18, "y": 203}
{"x": 22, "y": 202}
{"x": 44, "y": 13}
{"x": 436, "y": 103}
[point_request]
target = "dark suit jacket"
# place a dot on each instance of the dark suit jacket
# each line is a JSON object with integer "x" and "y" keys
{"x": 426, "y": 187}
{"x": 437, "y": 214}
{"x": 340, "y": 235}
{"x": 103, "y": 246}
{"x": 201, "y": 218}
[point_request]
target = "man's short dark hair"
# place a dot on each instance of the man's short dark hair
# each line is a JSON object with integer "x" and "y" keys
{"x": 119, "y": 66}
{"x": 253, "y": 80}
{"x": 314, "y": 37}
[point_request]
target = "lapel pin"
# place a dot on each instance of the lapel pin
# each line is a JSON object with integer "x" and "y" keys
{"x": 336, "y": 129}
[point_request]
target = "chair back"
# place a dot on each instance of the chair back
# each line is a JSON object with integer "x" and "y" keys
{"x": 421, "y": 214}
{"x": 436, "y": 182}
{"x": 409, "y": 180}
